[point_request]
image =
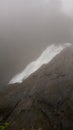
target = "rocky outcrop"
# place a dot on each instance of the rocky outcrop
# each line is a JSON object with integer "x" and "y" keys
{"x": 44, "y": 100}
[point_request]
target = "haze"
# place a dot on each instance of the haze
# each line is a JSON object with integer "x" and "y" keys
{"x": 27, "y": 27}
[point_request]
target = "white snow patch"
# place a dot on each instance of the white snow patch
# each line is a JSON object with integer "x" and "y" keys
{"x": 44, "y": 58}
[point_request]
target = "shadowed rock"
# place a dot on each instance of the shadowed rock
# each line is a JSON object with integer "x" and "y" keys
{"x": 45, "y": 99}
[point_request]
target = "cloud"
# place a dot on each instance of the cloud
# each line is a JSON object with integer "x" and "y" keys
{"x": 44, "y": 58}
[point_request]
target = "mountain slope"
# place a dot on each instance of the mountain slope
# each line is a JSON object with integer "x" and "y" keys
{"x": 44, "y": 100}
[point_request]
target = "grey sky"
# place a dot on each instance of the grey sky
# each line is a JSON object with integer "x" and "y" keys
{"x": 27, "y": 27}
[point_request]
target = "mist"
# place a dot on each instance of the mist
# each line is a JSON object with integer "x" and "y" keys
{"x": 43, "y": 59}
{"x": 27, "y": 28}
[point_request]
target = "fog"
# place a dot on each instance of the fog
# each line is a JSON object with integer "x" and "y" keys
{"x": 27, "y": 27}
{"x": 45, "y": 58}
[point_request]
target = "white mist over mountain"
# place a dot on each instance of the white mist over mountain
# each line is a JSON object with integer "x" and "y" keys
{"x": 44, "y": 58}
{"x": 27, "y": 28}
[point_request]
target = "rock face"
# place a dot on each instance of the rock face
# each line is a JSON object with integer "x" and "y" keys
{"x": 44, "y": 100}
